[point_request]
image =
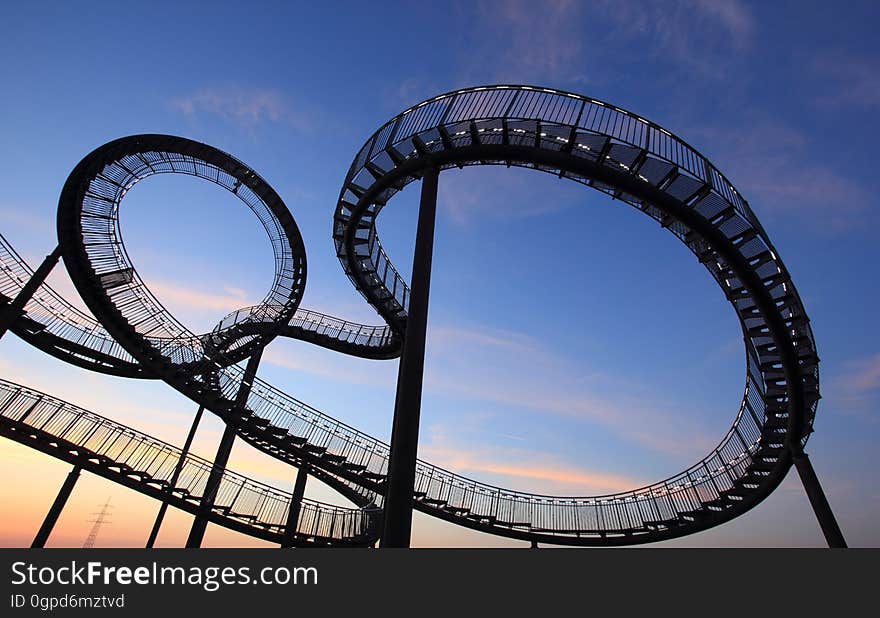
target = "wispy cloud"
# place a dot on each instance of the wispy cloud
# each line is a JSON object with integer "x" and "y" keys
{"x": 536, "y": 41}
{"x": 854, "y": 80}
{"x": 451, "y": 337}
{"x": 187, "y": 297}
{"x": 413, "y": 90}
{"x": 698, "y": 34}
{"x": 855, "y": 388}
{"x": 773, "y": 165}
{"x": 20, "y": 217}
{"x": 522, "y": 469}
{"x": 245, "y": 107}
{"x": 470, "y": 195}
{"x": 565, "y": 40}
{"x": 331, "y": 366}
{"x": 557, "y": 386}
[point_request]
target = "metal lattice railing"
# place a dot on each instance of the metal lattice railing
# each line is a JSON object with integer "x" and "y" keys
{"x": 547, "y": 130}
{"x": 153, "y": 462}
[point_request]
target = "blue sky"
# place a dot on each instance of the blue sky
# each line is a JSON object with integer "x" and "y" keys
{"x": 574, "y": 346}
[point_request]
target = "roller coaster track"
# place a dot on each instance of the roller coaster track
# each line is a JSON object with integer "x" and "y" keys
{"x": 570, "y": 136}
{"x": 147, "y": 465}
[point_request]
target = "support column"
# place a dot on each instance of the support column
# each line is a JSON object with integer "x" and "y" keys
{"x": 172, "y": 483}
{"x": 827, "y": 521}
{"x": 11, "y": 312}
{"x": 407, "y": 405}
{"x": 299, "y": 489}
{"x": 57, "y": 507}
{"x": 200, "y": 523}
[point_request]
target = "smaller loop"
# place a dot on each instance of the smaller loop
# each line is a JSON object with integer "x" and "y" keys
{"x": 91, "y": 242}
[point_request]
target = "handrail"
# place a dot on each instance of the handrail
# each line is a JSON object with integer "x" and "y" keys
{"x": 573, "y": 136}
{"x": 239, "y": 498}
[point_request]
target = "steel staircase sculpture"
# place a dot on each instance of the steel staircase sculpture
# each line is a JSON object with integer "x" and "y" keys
{"x": 147, "y": 465}
{"x": 570, "y": 136}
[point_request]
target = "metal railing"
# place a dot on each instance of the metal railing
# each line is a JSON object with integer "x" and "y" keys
{"x": 543, "y": 120}
{"x": 133, "y": 453}
{"x": 57, "y": 316}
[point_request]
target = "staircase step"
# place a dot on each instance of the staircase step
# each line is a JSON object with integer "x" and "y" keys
{"x": 752, "y": 479}
{"x": 768, "y": 451}
{"x": 695, "y": 515}
{"x": 332, "y": 457}
{"x": 243, "y": 516}
{"x": 762, "y": 466}
{"x": 512, "y": 524}
{"x": 719, "y": 504}
{"x": 736, "y": 492}
{"x": 491, "y": 519}
{"x": 665, "y": 523}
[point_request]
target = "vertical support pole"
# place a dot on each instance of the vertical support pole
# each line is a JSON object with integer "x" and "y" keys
{"x": 200, "y": 523}
{"x": 827, "y": 521}
{"x": 407, "y": 405}
{"x": 11, "y": 312}
{"x": 56, "y": 508}
{"x": 299, "y": 490}
{"x": 172, "y": 483}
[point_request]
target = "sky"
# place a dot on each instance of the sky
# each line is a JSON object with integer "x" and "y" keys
{"x": 574, "y": 346}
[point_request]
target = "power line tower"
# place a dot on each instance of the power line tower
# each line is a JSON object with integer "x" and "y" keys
{"x": 99, "y": 520}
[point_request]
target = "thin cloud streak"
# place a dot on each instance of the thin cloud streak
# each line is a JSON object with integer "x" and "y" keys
{"x": 187, "y": 297}
{"x": 856, "y": 388}
{"x": 553, "y": 387}
{"x": 316, "y": 363}
{"x": 772, "y": 164}
{"x": 527, "y": 470}
{"x": 536, "y": 41}
{"x": 470, "y": 196}
{"x": 696, "y": 34}
{"x": 548, "y": 42}
{"x": 244, "y": 107}
{"x": 856, "y": 80}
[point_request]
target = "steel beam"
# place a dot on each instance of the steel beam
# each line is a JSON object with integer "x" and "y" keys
{"x": 299, "y": 490}
{"x": 827, "y": 521}
{"x": 407, "y": 405}
{"x": 56, "y": 508}
{"x": 200, "y": 523}
{"x": 172, "y": 483}
{"x": 11, "y": 312}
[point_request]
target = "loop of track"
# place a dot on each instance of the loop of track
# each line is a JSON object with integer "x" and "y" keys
{"x": 568, "y": 135}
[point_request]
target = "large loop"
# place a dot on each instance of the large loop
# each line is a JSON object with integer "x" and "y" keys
{"x": 568, "y": 135}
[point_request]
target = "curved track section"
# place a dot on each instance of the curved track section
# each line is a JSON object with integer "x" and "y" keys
{"x": 570, "y": 136}
{"x": 145, "y": 464}
{"x": 53, "y": 325}
{"x": 89, "y": 233}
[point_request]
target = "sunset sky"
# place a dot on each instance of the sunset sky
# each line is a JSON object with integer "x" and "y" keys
{"x": 574, "y": 346}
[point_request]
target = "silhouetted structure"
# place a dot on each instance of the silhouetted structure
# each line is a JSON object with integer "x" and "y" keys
{"x": 567, "y": 135}
{"x": 101, "y": 518}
